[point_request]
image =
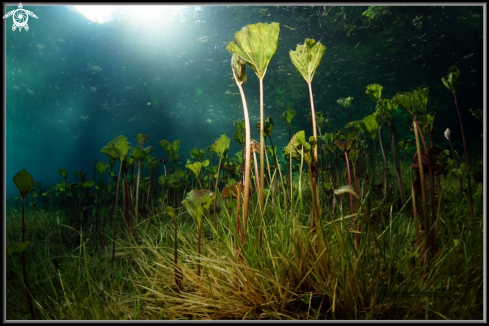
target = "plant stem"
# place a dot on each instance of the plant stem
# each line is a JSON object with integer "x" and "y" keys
{"x": 423, "y": 190}
{"x": 247, "y": 161}
{"x": 396, "y": 168}
{"x": 469, "y": 184}
{"x": 198, "y": 249}
{"x": 261, "y": 192}
{"x": 137, "y": 194}
{"x": 386, "y": 166}
{"x": 352, "y": 211}
{"x": 115, "y": 213}
{"x": 217, "y": 180}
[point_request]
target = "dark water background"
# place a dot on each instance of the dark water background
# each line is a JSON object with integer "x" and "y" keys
{"x": 72, "y": 86}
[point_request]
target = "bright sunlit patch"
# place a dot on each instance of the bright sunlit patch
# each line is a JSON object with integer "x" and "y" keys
{"x": 138, "y": 14}
{"x": 98, "y": 14}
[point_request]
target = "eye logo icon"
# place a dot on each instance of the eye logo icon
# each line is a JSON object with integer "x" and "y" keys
{"x": 20, "y": 17}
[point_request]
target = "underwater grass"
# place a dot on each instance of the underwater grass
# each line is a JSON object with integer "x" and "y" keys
{"x": 294, "y": 274}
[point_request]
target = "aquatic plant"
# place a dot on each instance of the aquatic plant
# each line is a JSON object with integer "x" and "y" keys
{"x": 24, "y": 183}
{"x": 450, "y": 81}
{"x": 198, "y": 153}
{"x": 256, "y": 44}
{"x": 345, "y": 148}
{"x": 197, "y": 204}
{"x": 287, "y": 117}
{"x": 101, "y": 167}
{"x": 238, "y": 67}
{"x": 300, "y": 150}
{"x": 171, "y": 150}
{"x": 306, "y": 58}
{"x": 127, "y": 166}
{"x": 195, "y": 167}
{"x": 117, "y": 149}
{"x": 345, "y": 103}
{"x": 370, "y": 126}
{"x": 152, "y": 162}
{"x": 385, "y": 110}
{"x": 63, "y": 173}
{"x": 412, "y": 103}
{"x": 139, "y": 155}
{"x": 178, "y": 271}
{"x": 220, "y": 147}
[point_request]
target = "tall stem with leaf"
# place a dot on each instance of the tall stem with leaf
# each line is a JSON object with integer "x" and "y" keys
{"x": 220, "y": 147}
{"x": 117, "y": 149}
{"x": 412, "y": 102}
{"x": 450, "y": 81}
{"x": 24, "y": 183}
{"x": 238, "y": 67}
{"x": 256, "y": 44}
{"x": 306, "y": 58}
{"x": 139, "y": 154}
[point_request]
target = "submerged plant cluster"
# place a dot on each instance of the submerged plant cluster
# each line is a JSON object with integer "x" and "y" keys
{"x": 320, "y": 229}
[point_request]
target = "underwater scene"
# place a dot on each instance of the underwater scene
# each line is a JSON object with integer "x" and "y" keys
{"x": 213, "y": 162}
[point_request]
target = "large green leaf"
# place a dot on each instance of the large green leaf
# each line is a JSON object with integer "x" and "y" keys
{"x": 221, "y": 145}
{"x": 287, "y": 116}
{"x": 450, "y": 81}
{"x": 355, "y": 126}
{"x": 118, "y": 148}
{"x": 141, "y": 139}
{"x": 153, "y": 162}
{"x": 166, "y": 145}
{"x": 63, "y": 173}
{"x": 256, "y": 44}
{"x": 388, "y": 107}
{"x": 370, "y": 125}
{"x": 198, "y": 153}
{"x": 345, "y": 102}
{"x": 197, "y": 202}
{"x": 176, "y": 148}
{"x": 24, "y": 182}
{"x": 171, "y": 149}
{"x": 307, "y": 57}
{"x": 406, "y": 100}
{"x": 101, "y": 167}
{"x": 427, "y": 122}
{"x": 139, "y": 154}
{"x": 61, "y": 186}
{"x": 195, "y": 167}
{"x": 374, "y": 91}
{"x": 298, "y": 147}
{"x": 112, "y": 155}
{"x": 421, "y": 96}
{"x": 127, "y": 164}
